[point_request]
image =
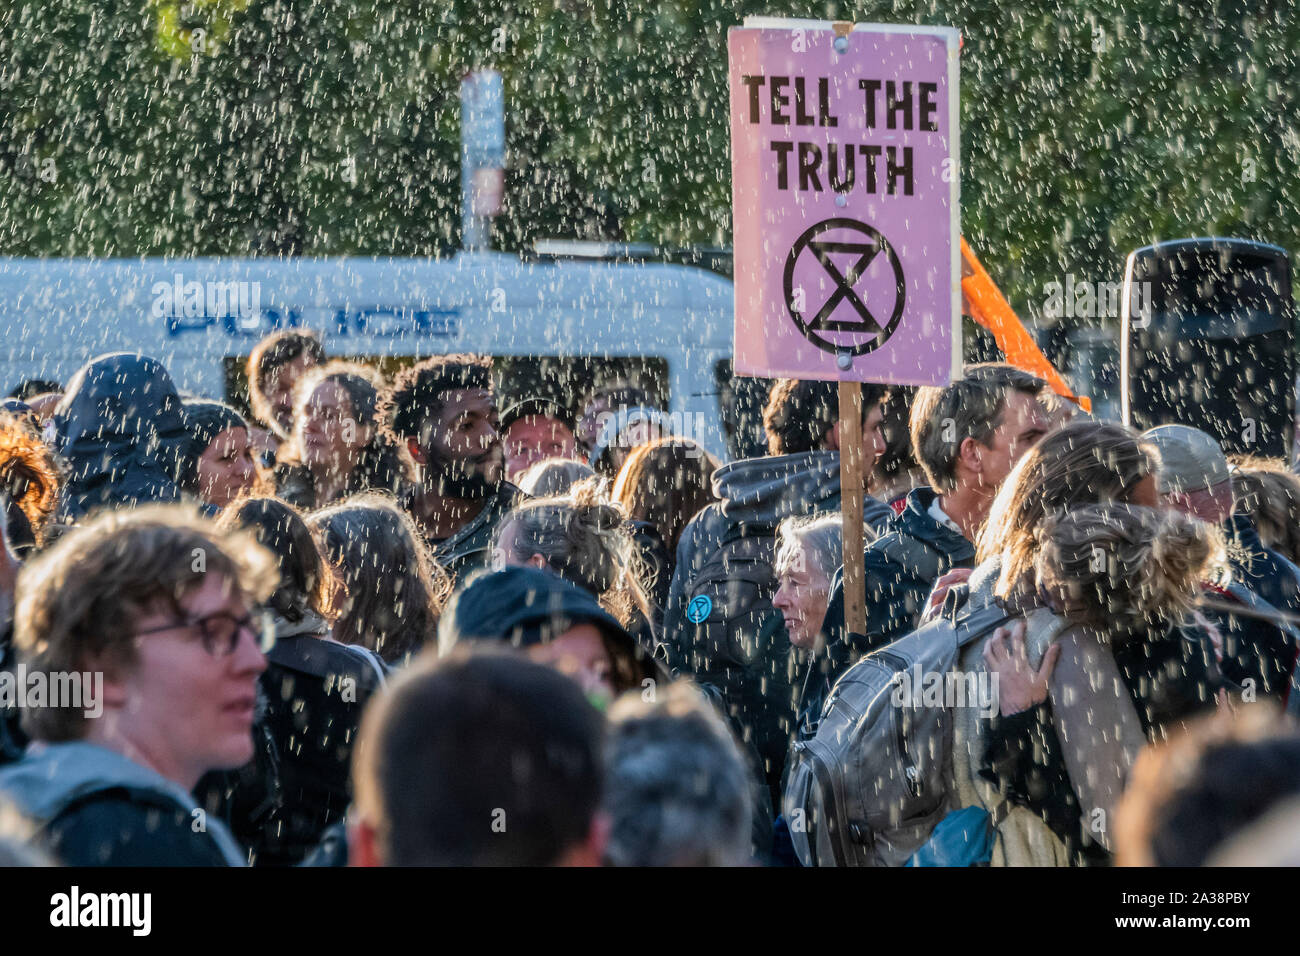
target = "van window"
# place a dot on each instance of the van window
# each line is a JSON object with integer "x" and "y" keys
{"x": 571, "y": 379}
{"x": 566, "y": 379}
{"x": 741, "y": 401}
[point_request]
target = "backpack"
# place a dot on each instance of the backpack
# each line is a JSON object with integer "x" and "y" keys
{"x": 737, "y": 641}
{"x": 870, "y": 786}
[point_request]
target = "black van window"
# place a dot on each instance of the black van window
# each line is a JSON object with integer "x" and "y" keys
{"x": 568, "y": 379}
{"x": 741, "y": 400}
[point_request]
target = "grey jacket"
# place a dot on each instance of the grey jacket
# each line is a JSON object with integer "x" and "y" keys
{"x": 52, "y": 777}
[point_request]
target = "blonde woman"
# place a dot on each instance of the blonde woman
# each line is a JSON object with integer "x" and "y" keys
{"x": 1107, "y": 658}
{"x": 1014, "y": 761}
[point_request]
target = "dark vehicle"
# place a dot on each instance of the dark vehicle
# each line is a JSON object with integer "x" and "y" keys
{"x": 1209, "y": 340}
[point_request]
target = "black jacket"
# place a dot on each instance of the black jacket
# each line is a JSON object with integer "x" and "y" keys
{"x": 1255, "y": 650}
{"x": 470, "y": 548}
{"x": 901, "y": 567}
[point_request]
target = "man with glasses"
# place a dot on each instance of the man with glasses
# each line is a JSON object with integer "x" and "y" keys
{"x": 158, "y": 601}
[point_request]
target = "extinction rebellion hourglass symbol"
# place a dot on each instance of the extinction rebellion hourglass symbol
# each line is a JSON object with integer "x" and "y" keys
{"x": 848, "y": 321}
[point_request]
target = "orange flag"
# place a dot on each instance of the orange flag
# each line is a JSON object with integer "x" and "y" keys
{"x": 983, "y": 301}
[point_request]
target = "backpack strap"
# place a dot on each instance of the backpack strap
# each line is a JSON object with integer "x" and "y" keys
{"x": 831, "y": 814}
{"x": 912, "y": 553}
{"x": 734, "y": 532}
{"x": 746, "y": 529}
{"x": 954, "y": 601}
{"x": 978, "y": 622}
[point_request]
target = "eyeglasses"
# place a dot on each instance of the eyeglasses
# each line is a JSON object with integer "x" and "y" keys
{"x": 220, "y": 632}
{"x": 16, "y": 482}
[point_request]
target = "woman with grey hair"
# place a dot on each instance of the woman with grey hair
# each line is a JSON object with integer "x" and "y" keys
{"x": 810, "y": 550}
{"x": 809, "y": 553}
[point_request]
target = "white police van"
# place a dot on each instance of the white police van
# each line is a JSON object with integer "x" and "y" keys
{"x": 201, "y": 317}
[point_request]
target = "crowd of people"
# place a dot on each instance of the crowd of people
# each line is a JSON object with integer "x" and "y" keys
{"x": 415, "y": 621}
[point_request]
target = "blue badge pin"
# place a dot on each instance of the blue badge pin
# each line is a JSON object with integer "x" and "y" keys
{"x": 699, "y": 608}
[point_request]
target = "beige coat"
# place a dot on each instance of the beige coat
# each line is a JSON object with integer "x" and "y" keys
{"x": 1094, "y": 719}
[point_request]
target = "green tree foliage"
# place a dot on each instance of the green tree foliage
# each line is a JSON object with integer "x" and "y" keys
{"x": 236, "y": 127}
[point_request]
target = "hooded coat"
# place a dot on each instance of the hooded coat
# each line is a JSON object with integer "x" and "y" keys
{"x": 744, "y": 653}
{"x": 121, "y": 431}
{"x": 95, "y": 807}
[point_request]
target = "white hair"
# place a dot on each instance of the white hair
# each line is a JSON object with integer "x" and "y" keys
{"x": 819, "y": 539}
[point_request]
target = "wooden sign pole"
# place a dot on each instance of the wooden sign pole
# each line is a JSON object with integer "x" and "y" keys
{"x": 852, "y": 487}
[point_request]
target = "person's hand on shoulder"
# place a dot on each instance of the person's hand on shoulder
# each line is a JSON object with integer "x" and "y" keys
{"x": 1019, "y": 686}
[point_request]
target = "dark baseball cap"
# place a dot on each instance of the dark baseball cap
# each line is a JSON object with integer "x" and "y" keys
{"x": 527, "y": 606}
{"x": 522, "y": 606}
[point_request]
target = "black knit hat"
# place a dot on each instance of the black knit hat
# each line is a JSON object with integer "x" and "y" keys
{"x": 538, "y": 406}
{"x": 205, "y": 420}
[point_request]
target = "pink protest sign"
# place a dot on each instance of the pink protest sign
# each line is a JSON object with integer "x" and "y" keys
{"x": 845, "y": 201}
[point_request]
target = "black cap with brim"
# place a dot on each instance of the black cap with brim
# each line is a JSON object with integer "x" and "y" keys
{"x": 528, "y": 606}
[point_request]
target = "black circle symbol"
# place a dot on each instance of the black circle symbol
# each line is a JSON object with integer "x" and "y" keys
{"x": 863, "y": 323}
